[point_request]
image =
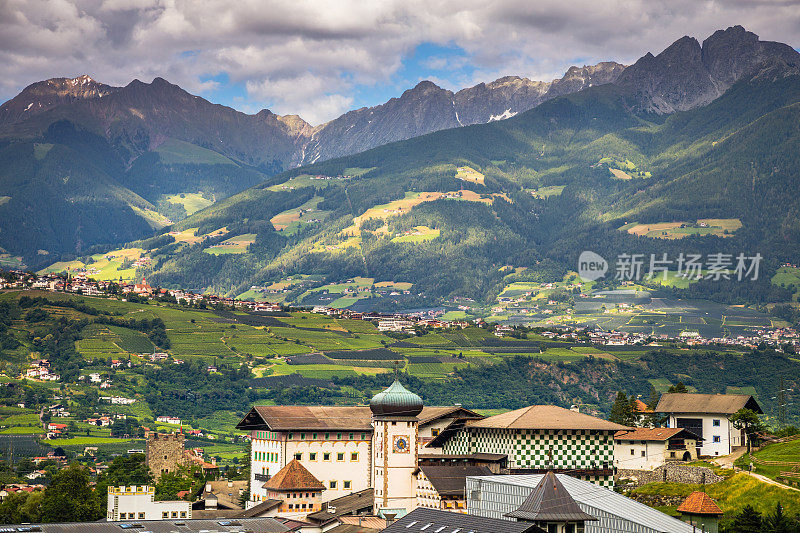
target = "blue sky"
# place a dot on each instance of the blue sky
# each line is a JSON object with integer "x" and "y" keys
{"x": 447, "y": 65}
{"x": 320, "y": 59}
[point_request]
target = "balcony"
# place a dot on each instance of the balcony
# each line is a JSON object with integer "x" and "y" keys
{"x": 261, "y": 477}
{"x": 676, "y": 445}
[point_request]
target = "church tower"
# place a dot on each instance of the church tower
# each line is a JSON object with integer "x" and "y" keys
{"x": 394, "y": 456}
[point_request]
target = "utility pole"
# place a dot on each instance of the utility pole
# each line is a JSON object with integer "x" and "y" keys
{"x": 782, "y": 405}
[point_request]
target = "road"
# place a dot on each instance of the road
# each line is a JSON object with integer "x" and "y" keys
{"x": 727, "y": 461}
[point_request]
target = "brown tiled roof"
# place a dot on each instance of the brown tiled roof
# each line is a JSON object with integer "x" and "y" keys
{"x": 654, "y": 434}
{"x": 699, "y": 503}
{"x": 725, "y": 404}
{"x": 434, "y": 412}
{"x": 545, "y": 417}
{"x": 367, "y": 522}
{"x": 293, "y": 476}
{"x": 309, "y": 417}
{"x": 355, "y": 528}
{"x": 321, "y": 417}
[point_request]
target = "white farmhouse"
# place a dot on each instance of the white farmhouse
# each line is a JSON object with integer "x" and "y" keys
{"x": 649, "y": 448}
{"x": 708, "y": 417}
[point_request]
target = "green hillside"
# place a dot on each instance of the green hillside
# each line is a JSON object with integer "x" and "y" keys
{"x": 70, "y": 189}
{"x": 269, "y": 358}
{"x": 731, "y": 160}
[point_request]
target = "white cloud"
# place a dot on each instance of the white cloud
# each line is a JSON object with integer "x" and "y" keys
{"x": 308, "y": 56}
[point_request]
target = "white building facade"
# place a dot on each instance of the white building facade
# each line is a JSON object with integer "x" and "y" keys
{"x": 338, "y": 445}
{"x": 650, "y": 448}
{"x": 136, "y": 503}
{"x": 709, "y": 417}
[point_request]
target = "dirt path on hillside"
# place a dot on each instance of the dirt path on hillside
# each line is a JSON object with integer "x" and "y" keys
{"x": 769, "y": 481}
{"x": 727, "y": 461}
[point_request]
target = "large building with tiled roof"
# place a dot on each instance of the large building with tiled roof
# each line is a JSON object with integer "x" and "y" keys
{"x": 382, "y": 446}
{"x": 539, "y": 438}
{"x": 708, "y": 416}
{"x": 335, "y": 443}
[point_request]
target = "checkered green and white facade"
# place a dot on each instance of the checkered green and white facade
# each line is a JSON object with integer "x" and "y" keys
{"x": 540, "y": 449}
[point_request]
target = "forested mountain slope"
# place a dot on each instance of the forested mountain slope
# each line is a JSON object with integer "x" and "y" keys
{"x": 736, "y": 158}
{"x": 176, "y": 153}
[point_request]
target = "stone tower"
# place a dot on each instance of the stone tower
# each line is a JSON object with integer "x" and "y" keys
{"x": 165, "y": 452}
{"x": 394, "y": 417}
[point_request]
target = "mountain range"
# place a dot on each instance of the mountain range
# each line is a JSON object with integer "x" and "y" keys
{"x": 82, "y": 163}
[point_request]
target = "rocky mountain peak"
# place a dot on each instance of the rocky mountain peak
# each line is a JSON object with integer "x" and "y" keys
{"x": 731, "y": 53}
{"x": 44, "y": 95}
{"x": 687, "y": 75}
{"x": 424, "y": 87}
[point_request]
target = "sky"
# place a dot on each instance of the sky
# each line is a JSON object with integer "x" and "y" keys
{"x": 321, "y": 58}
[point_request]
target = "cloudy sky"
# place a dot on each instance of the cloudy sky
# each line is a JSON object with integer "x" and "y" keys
{"x": 320, "y": 58}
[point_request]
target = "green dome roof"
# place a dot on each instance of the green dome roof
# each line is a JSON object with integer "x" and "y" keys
{"x": 396, "y": 401}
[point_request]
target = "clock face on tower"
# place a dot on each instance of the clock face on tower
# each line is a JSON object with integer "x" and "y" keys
{"x": 401, "y": 444}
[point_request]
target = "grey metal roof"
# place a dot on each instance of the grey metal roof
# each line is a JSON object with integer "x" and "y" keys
{"x": 262, "y": 507}
{"x": 550, "y": 502}
{"x": 427, "y": 520}
{"x": 224, "y": 525}
{"x": 605, "y": 504}
{"x": 343, "y": 505}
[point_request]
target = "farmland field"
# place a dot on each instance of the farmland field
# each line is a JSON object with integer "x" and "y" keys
{"x": 305, "y": 180}
{"x": 234, "y": 245}
{"x": 418, "y": 234}
{"x": 303, "y": 213}
{"x": 547, "y": 192}
{"x": 470, "y": 174}
{"x": 720, "y": 227}
{"x": 620, "y": 174}
{"x": 191, "y": 201}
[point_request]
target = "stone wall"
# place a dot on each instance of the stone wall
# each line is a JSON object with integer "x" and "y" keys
{"x": 165, "y": 452}
{"x": 674, "y": 472}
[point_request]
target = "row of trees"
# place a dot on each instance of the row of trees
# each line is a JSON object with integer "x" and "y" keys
{"x": 748, "y": 520}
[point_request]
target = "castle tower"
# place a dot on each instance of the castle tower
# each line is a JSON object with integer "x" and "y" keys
{"x": 165, "y": 452}
{"x": 394, "y": 417}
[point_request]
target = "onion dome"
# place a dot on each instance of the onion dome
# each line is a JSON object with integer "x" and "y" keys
{"x": 396, "y": 401}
